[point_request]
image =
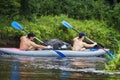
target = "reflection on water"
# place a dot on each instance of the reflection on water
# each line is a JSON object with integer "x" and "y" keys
{"x": 15, "y": 70}
{"x": 51, "y": 68}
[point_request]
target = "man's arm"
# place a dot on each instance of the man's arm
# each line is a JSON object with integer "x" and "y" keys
{"x": 89, "y": 45}
{"x": 38, "y": 46}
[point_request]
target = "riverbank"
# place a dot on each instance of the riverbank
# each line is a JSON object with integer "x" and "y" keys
{"x": 50, "y": 27}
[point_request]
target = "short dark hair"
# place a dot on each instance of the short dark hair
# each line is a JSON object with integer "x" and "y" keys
{"x": 31, "y": 35}
{"x": 81, "y": 34}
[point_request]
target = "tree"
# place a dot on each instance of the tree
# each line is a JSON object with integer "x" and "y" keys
{"x": 9, "y": 8}
{"x": 29, "y": 8}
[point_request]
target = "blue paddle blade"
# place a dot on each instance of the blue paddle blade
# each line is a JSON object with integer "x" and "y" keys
{"x": 16, "y": 25}
{"x": 66, "y": 24}
{"x": 111, "y": 54}
{"x": 60, "y": 53}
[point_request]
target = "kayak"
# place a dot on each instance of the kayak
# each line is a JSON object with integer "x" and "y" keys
{"x": 53, "y": 53}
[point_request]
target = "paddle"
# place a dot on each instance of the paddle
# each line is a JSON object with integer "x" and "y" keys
{"x": 17, "y": 26}
{"x": 66, "y": 24}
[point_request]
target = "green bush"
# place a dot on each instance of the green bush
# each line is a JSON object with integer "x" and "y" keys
{"x": 49, "y": 27}
{"x": 114, "y": 64}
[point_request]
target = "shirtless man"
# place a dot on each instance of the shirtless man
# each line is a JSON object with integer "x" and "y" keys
{"x": 79, "y": 45}
{"x": 26, "y": 43}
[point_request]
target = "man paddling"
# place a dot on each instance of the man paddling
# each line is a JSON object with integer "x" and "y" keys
{"x": 78, "y": 43}
{"x": 26, "y": 43}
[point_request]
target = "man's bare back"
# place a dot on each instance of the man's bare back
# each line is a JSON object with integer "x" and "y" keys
{"x": 26, "y": 43}
{"x": 78, "y": 44}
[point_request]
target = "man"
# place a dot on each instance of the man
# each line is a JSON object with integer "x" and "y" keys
{"x": 78, "y": 43}
{"x": 26, "y": 43}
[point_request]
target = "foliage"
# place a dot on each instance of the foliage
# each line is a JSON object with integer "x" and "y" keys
{"x": 29, "y": 9}
{"x": 114, "y": 17}
{"x": 99, "y": 19}
{"x": 9, "y": 8}
{"x": 49, "y": 27}
{"x": 114, "y": 64}
{"x": 78, "y": 9}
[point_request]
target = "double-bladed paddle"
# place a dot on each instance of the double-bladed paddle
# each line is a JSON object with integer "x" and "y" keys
{"x": 17, "y": 26}
{"x": 67, "y": 25}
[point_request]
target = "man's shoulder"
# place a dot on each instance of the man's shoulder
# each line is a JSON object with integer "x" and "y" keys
{"x": 23, "y": 37}
{"x": 76, "y": 38}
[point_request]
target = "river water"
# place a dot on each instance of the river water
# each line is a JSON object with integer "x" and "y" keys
{"x": 52, "y": 68}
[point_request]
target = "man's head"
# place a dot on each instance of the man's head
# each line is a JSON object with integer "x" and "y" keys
{"x": 81, "y": 35}
{"x": 31, "y": 35}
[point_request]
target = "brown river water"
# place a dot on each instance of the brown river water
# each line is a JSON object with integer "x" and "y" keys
{"x": 52, "y": 68}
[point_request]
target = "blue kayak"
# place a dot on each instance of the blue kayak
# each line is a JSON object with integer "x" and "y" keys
{"x": 53, "y": 53}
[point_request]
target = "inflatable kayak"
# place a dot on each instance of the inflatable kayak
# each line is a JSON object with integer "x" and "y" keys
{"x": 52, "y": 53}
